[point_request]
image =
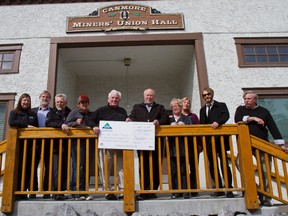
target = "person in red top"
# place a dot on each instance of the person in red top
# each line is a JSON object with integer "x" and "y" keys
{"x": 186, "y": 110}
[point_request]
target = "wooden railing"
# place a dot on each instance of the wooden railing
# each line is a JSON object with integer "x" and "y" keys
{"x": 275, "y": 162}
{"x": 3, "y": 145}
{"x": 240, "y": 143}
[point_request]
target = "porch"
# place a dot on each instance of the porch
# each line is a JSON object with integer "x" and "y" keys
{"x": 244, "y": 181}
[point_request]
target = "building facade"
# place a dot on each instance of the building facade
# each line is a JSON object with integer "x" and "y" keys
{"x": 230, "y": 46}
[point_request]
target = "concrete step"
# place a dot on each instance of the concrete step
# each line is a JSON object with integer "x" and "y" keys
{"x": 163, "y": 205}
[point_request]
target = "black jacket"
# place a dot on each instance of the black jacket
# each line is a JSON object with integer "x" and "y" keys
{"x": 55, "y": 118}
{"x": 219, "y": 113}
{"x": 141, "y": 114}
{"x": 110, "y": 113}
{"x": 22, "y": 119}
{"x": 172, "y": 141}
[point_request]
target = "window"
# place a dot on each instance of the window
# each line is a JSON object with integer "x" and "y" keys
{"x": 2, "y": 119}
{"x": 10, "y": 58}
{"x": 262, "y": 52}
{"x": 276, "y": 101}
{"x": 6, "y": 105}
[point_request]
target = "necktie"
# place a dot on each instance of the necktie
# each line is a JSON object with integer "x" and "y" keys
{"x": 149, "y": 106}
{"x": 208, "y": 111}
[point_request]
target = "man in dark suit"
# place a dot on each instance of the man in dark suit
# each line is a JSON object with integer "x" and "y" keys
{"x": 149, "y": 111}
{"x": 216, "y": 113}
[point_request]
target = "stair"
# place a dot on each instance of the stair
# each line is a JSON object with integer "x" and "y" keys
{"x": 203, "y": 205}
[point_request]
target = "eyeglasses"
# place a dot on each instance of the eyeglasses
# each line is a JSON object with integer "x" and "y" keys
{"x": 204, "y": 95}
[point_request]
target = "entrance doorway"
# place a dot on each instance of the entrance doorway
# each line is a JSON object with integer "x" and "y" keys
{"x": 173, "y": 65}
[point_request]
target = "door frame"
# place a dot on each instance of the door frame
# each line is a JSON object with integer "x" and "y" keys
{"x": 195, "y": 39}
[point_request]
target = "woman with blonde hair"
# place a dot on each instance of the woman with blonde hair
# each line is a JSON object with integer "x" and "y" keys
{"x": 177, "y": 118}
{"x": 186, "y": 110}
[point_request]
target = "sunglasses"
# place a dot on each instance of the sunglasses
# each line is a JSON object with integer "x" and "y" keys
{"x": 204, "y": 95}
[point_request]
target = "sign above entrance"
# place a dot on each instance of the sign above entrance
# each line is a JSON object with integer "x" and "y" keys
{"x": 125, "y": 17}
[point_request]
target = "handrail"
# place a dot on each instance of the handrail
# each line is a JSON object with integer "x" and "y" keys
{"x": 240, "y": 143}
{"x": 277, "y": 172}
{"x": 3, "y": 145}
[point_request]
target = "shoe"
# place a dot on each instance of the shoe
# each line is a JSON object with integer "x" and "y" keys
{"x": 88, "y": 197}
{"x": 111, "y": 197}
{"x": 21, "y": 197}
{"x": 175, "y": 196}
{"x": 60, "y": 197}
{"x": 121, "y": 196}
{"x": 187, "y": 195}
{"x": 194, "y": 194}
{"x": 80, "y": 198}
{"x": 141, "y": 197}
{"x": 230, "y": 194}
{"x": 32, "y": 196}
{"x": 218, "y": 194}
{"x": 266, "y": 203}
{"x": 152, "y": 196}
{"x": 46, "y": 196}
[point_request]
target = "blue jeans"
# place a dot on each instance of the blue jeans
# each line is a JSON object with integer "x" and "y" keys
{"x": 74, "y": 166}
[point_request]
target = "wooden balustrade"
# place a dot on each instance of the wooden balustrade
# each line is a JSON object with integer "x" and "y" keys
{"x": 24, "y": 146}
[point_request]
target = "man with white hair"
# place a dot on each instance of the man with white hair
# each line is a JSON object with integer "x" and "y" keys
{"x": 111, "y": 112}
{"x": 259, "y": 121}
{"x": 56, "y": 118}
{"x": 149, "y": 111}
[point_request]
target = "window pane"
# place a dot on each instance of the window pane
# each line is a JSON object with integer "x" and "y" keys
{"x": 248, "y": 50}
{"x": 250, "y": 59}
{"x": 283, "y": 49}
{"x": 284, "y": 58}
{"x": 278, "y": 108}
{"x": 260, "y": 50}
{"x": 2, "y": 119}
{"x": 7, "y": 65}
{"x": 271, "y": 50}
{"x": 8, "y": 57}
{"x": 273, "y": 58}
{"x": 261, "y": 58}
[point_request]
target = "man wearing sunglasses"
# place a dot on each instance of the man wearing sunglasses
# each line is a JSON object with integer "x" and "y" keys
{"x": 216, "y": 114}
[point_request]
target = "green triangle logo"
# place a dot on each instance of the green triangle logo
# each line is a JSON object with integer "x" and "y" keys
{"x": 107, "y": 126}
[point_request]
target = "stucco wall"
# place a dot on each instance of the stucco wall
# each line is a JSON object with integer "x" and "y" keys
{"x": 219, "y": 21}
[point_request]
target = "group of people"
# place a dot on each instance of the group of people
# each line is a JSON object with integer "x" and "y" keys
{"x": 214, "y": 113}
{"x": 259, "y": 121}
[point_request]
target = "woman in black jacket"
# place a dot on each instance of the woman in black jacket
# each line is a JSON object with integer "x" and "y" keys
{"x": 23, "y": 117}
{"x": 177, "y": 118}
